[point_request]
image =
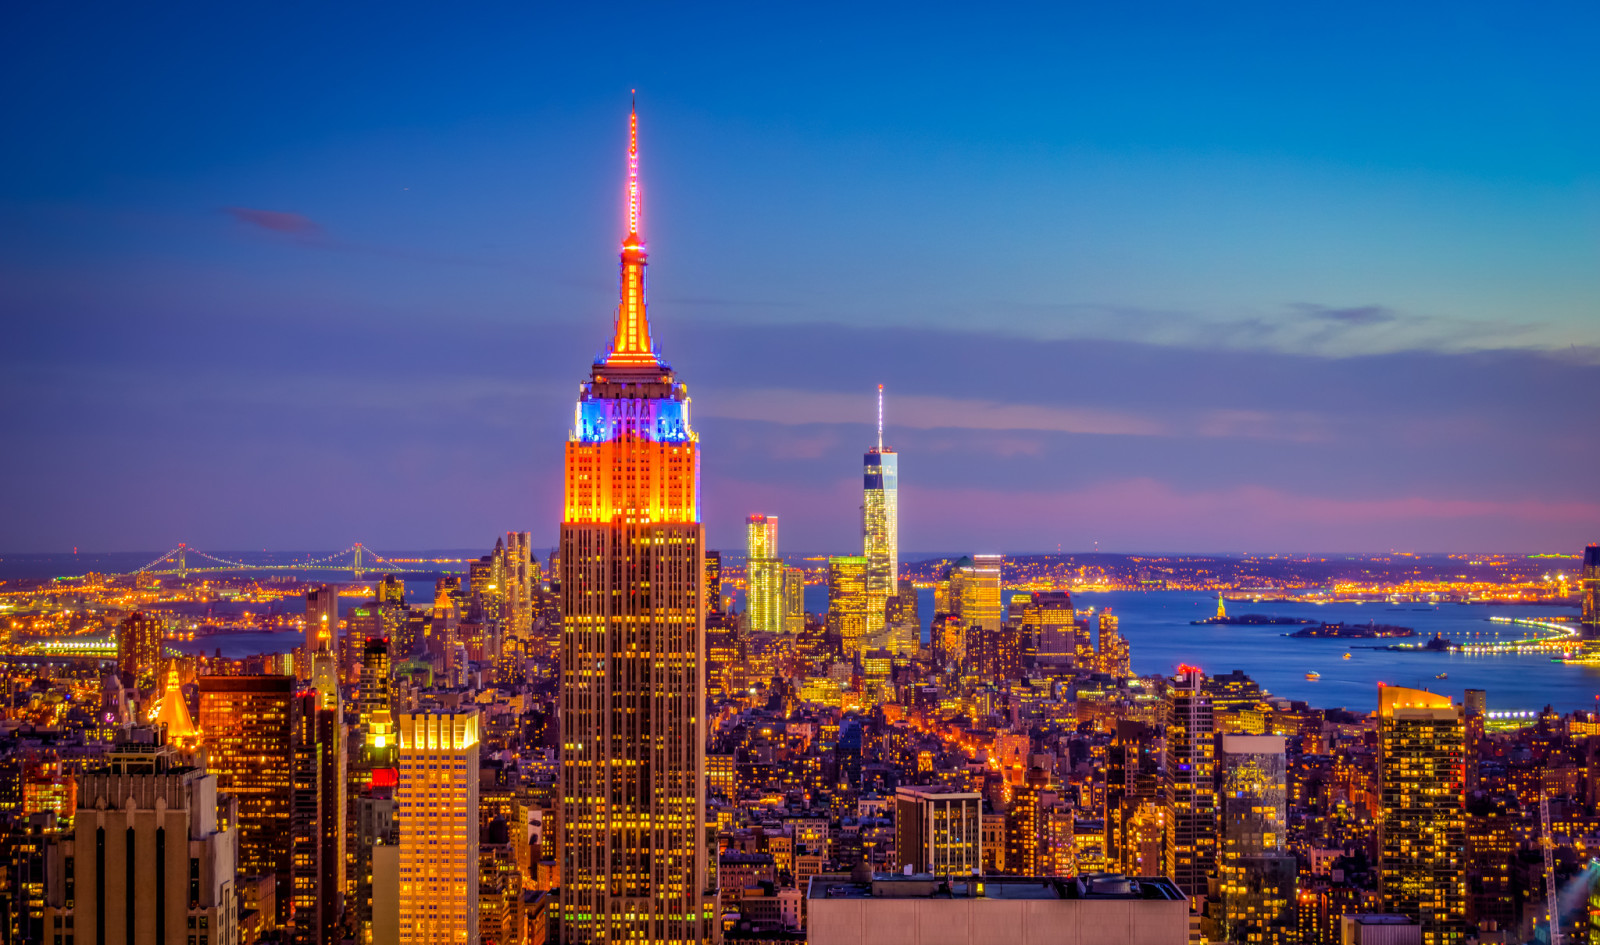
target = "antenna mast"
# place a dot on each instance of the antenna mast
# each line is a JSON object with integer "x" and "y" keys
{"x": 880, "y": 418}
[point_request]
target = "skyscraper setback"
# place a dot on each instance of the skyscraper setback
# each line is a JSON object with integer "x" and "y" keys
{"x": 633, "y": 650}
{"x": 880, "y": 526}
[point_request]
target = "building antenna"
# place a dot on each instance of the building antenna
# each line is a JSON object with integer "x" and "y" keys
{"x": 880, "y": 418}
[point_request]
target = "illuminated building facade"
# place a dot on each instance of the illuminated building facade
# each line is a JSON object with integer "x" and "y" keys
{"x": 389, "y": 590}
{"x": 880, "y": 526}
{"x": 1589, "y": 589}
{"x": 904, "y": 621}
{"x": 713, "y": 582}
{"x": 249, "y": 724}
{"x": 970, "y": 589}
{"x": 1255, "y": 885}
{"x": 1026, "y": 825}
{"x": 1190, "y": 781}
{"x": 632, "y": 603}
{"x": 139, "y": 648}
{"x": 938, "y": 830}
{"x": 437, "y": 800}
{"x": 1048, "y": 617}
{"x": 847, "y": 601}
{"x": 794, "y": 601}
{"x": 763, "y": 574}
{"x": 322, "y": 620}
{"x": 1422, "y": 830}
{"x": 1111, "y": 650}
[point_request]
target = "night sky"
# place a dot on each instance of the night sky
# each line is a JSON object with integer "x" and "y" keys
{"x": 1220, "y": 277}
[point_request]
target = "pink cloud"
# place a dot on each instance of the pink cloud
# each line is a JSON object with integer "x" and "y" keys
{"x": 1144, "y": 513}
{"x": 275, "y": 220}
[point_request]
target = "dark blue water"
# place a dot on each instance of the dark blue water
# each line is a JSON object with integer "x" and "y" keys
{"x": 1156, "y": 625}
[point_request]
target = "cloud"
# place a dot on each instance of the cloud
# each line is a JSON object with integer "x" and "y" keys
{"x": 1145, "y": 513}
{"x": 923, "y": 412}
{"x": 1357, "y": 315}
{"x": 275, "y": 220}
{"x": 929, "y": 412}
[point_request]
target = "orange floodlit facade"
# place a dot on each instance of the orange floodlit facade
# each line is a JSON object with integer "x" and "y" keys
{"x": 635, "y": 860}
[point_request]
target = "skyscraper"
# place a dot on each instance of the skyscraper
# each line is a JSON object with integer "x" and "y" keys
{"x": 322, "y": 627}
{"x": 437, "y": 796}
{"x": 1255, "y": 872}
{"x": 1589, "y": 589}
{"x": 970, "y": 589}
{"x": 1111, "y": 652}
{"x": 249, "y": 724}
{"x": 763, "y": 574}
{"x": 139, "y": 648}
{"x": 713, "y": 590}
{"x": 1422, "y": 828}
{"x": 1191, "y": 789}
{"x": 633, "y": 649}
{"x": 880, "y": 526}
{"x": 1049, "y": 618}
{"x": 153, "y": 857}
{"x": 794, "y": 600}
{"x": 847, "y": 602}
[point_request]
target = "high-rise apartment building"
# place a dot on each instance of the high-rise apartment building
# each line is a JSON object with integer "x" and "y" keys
{"x": 437, "y": 800}
{"x": 249, "y": 724}
{"x": 1191, "y": 796}
{"x": 763, "y": 575}
{"x": 794, "y": 600}
{"x": 1026, "y": 828}
{"x": 316, "y": 835}
{"x": 1254, "y": 889}
{"x": 938, "y": 829}
{"x": 847, "y": 602}
{"x": 518, "y": 570}
{"x": 153, "y": 853}
{"x": 1111, "y": 650}
{"x": 1422, "y": 829}
{"x": 633, "y": 650}
{"x": 139, "y": 648}
{"x": 713, "y": 582}
{"x": 1589, "y": 590}
{"x": 880, "y": 526}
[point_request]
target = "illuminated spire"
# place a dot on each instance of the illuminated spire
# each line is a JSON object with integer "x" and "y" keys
{"x": 631, "y": 347}
{"x": 880, "y": 418}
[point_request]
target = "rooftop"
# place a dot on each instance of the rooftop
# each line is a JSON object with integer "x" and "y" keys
{"x": 926, "y": 886}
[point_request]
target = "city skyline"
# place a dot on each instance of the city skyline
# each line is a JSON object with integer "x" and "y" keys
{"x": 1288, "y": 315}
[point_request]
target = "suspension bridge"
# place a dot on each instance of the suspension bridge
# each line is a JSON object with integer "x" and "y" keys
{"x": 358, "y": 559}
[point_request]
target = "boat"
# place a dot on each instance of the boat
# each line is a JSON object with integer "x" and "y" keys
{"x": 1347, "y": 656}
{"x": 1313, "y": 676}
{"x": 1441, "y": 676}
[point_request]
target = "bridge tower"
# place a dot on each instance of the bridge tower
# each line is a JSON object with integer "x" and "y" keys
{"x": 358, "y": 568}
{"x": 183, "y": 560}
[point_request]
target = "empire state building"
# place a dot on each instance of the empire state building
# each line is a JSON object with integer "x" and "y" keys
{"x": 635, "y": 866}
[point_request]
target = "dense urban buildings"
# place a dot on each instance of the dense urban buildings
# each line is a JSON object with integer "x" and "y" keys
{"x": 633, "y": 649}
{"x": 627, "y": 737}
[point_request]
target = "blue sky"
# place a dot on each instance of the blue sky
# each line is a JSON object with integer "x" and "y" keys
{"x": 1155, "y": 276}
